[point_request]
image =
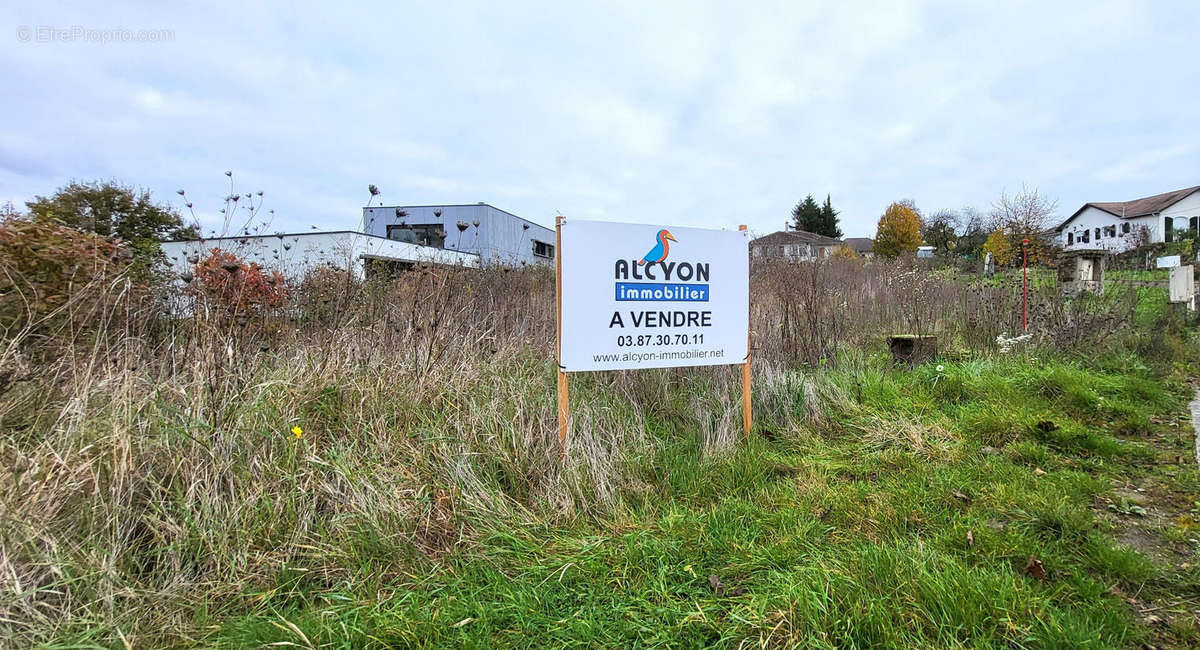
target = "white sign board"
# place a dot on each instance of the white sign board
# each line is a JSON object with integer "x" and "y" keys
{"x": 1182, "y": 284}
{"x": 1168, "y": 261}
{"x": 650, "y": 296}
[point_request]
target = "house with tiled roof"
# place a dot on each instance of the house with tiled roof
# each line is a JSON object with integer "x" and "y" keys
{"x": 862, "y": 246}
{"x": 1118, "y": 226}
{"x": 795, "y": 245}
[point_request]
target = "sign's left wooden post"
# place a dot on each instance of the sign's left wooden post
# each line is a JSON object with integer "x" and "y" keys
{"x": 564, "y": 390}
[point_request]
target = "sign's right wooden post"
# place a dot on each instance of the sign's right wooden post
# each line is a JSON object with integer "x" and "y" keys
{"x": 747, "y": 403}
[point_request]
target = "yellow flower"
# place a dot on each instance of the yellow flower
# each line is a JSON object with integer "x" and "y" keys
{"x": 297, "y": 431}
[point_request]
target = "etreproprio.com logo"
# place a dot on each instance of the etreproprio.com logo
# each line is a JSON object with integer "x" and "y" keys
{"x": 82, "y": 34}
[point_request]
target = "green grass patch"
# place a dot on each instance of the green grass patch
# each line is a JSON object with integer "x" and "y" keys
{"x": 907, "y": 520}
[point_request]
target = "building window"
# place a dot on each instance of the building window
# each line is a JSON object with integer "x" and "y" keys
{"x": 1110, "y": 231}
{"x": 1086, "y": 237}
{"x": 1070, "y": 238}
{"x": 1125, "y": 229}
{"x": 401, "y": 233}
{"x": 1097, "y": 234}
{"x": 542, "y": 249}
{"x": 1168, "y": 227}
{"x": 425, "y": 234}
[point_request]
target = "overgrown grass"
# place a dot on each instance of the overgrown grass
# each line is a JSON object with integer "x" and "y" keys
{"x": 425, "y": 503}
{"x": 869, "y": 520}
{"x": 889, "y": 527}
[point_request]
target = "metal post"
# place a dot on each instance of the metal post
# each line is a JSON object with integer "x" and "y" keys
{"x": 1025, "y": 285}
{"x": 564, "y": 388}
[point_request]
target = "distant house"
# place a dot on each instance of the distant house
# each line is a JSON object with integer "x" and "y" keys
{"x": 795, "y": 245}
{"x": 495, "y": 235}
{"x": 1117, "y": 226}
{"x": 863, "y": 246}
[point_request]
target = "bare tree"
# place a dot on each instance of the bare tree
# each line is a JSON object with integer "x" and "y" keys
{"x": 975, "y": 227}
{"x": 1026, "y": 215}
{"x": 940, "y": 230}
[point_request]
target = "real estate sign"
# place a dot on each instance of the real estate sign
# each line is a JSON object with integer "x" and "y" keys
{"x": 652, "y": 296}
{"x": 1167, "y": 262}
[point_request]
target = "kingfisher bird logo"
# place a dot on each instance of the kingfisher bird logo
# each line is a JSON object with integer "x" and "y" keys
{"x": 661, "y": 249}
{"x": 673, "y": 281}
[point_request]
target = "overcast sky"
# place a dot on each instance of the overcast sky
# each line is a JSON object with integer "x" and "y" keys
{"x": 688, "y": 113}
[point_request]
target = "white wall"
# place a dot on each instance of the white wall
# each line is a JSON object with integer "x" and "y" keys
{"x": 500, "y": 238}
{"x": 294, "y": 255}
{"x": 1182, "y": 211}
{"x": 801, "y": 252}
{"x": 1091, "y": 218}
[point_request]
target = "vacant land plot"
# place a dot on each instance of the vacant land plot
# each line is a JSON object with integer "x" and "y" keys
{"x": 1001, "y": 502}
{"x": 377, "y": 466}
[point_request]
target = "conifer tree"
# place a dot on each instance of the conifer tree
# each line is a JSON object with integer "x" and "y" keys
{"x": 807, "y": 215}
{"x": 829, "y": 220}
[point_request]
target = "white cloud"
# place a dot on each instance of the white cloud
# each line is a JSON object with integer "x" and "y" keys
{"x": 1144, "y": 164}
{"x": 671, "y": 112}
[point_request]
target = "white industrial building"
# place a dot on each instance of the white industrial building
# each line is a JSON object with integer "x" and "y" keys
{"x": 499, "y": 237}
{"x": 397, "y": 237}
{"x": 1122, "y": 225}
{"x": 295, "y": 254}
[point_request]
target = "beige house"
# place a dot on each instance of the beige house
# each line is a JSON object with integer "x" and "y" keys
{"x": 795, "y": 245}
{"x": 863, "y": 246}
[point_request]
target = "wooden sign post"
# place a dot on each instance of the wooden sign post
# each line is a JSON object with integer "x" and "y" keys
{"x": 564, "y": 386}
{"x": 685, "y": 302}
{"x": 747, "y": 409}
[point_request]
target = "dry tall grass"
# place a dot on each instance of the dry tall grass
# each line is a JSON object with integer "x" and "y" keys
{"x": 153, "y": 464}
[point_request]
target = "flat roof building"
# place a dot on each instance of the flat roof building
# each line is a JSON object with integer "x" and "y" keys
{"x": 495, "y": 235}
{"x": 296, "y": 254}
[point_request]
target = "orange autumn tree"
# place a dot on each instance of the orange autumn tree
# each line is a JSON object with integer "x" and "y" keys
{"x": 899, "y": 231}
{"x": 240, "y": 288}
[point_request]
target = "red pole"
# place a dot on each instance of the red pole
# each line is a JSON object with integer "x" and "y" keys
{"x": 1024, "y": 286}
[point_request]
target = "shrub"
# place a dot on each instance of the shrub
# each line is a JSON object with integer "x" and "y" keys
{"x": 326, "y": 295}
{"x": 54, "y": 277}
{"x": 238, "y": 288}
{"x": 845, "y": 252}
{"x": 997, "y": 244}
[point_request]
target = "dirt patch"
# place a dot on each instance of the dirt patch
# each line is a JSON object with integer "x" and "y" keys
{"x": 1194, "y": 407}
{"x": 1150, "y": 544}
{"x": 1138, "y": 513}
{"x": 1146, "y": 513}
